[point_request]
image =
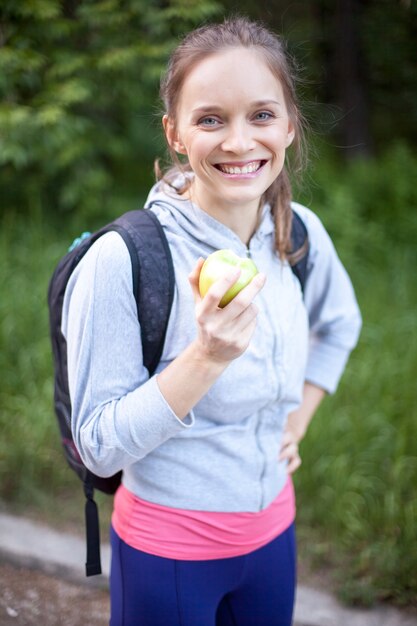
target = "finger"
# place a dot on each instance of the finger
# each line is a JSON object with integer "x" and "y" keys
{"x": 294, "y": 464}
{"x": 245, "y": 322}
{"x": 245, "y": 297}
{"x": 237, "y": 332}
{"x": 242, "y": 333}
{"x": 288, "y": 451}
{"x": 193, "y": 279}
{"x": 218, "y": 289}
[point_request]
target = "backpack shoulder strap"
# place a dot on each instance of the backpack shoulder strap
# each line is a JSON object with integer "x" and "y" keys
{"x": 153, "y": 278}
{"x": 299, "y": 241}
{"x": 153, "y": 287}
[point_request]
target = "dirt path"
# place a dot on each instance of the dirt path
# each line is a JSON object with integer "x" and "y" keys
{"x": 31, "y": 598}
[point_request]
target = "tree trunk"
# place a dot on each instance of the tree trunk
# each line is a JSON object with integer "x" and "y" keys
{"x": 351, "y": 83}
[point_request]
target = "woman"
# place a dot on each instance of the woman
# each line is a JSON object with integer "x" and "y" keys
{"x": 203, "y": 524}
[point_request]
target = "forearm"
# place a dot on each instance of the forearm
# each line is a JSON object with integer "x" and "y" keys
{"x": 299, "y": 420}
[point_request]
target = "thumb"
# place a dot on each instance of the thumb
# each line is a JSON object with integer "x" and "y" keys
{"x": 193, "y": 278}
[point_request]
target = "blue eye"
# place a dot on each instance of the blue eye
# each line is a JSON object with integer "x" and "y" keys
{"x": 208, "y": 121}
{"x": 264, "y": 116}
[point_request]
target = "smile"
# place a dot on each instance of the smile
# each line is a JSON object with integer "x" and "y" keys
{"x": 239, "y": 169}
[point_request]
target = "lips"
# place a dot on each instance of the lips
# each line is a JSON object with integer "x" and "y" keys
{"x": 240, "y": 168}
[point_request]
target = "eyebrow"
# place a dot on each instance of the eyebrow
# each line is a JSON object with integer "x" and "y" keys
{"x": 214, "y": 107}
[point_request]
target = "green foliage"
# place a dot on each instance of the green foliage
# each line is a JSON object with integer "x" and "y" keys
{"x": 78, "y": 82}
{"x": 367, "y": 204}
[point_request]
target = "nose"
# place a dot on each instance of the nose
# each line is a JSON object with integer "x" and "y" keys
{"x": 239, "y": 138}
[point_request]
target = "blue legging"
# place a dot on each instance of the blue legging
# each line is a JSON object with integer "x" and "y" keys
{"x": 252, "y": 590}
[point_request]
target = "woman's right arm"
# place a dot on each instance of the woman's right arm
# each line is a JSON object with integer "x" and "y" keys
{"x": 119, "y": 415}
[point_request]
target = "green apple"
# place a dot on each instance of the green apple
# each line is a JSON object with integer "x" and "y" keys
{"x": 216, "y": 266}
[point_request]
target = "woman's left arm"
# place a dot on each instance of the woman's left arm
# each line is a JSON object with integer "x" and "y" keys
{"x": 297, "y": 425}
{"x": 334, "y": 321}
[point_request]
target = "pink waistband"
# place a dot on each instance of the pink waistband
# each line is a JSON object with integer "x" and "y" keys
{"x": 199, "y": 535}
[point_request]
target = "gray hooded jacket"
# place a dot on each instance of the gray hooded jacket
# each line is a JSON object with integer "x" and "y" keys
{"x": 224, "y": 455}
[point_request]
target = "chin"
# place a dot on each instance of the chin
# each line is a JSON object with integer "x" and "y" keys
{"x": 240, "y": 198}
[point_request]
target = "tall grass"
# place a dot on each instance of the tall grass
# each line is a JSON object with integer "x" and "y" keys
{"x": 357, "y": 500}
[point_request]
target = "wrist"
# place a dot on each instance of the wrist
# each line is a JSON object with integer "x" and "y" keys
{"x": 205, "y": 360}
{"x": 297, "y": 424}
{"x": 175, "y": 380}
{"x": 299, "y": 433}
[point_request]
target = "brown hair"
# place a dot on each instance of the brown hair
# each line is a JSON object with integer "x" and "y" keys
{"x": 235, "y": 32}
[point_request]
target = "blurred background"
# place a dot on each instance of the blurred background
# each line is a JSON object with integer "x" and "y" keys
{"x": 79, "y": 131}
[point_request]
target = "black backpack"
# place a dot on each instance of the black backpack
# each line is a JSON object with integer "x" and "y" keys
{"x": 153, "y": 287}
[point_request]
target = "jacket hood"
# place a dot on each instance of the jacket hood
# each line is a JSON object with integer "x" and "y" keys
{"x": 186, "y": 217}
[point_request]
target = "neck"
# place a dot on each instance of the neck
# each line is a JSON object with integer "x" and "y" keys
{"x": 242, "y": 220}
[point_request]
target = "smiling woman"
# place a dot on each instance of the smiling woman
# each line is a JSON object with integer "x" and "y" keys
{"x": 203, "y": 523}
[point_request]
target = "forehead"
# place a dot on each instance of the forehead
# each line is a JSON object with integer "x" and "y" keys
{"x": 236, "y": 74}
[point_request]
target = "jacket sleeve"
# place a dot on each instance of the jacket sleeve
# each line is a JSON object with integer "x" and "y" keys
{"x": 118, "y": 413}
{"x": 333, "y": 312}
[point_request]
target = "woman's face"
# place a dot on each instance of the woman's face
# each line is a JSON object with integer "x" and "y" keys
{"x": 233, "y": 125}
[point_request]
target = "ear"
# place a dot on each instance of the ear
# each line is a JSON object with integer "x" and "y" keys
{"x": 171, "y": 135}
{"x": 290, "y": 134}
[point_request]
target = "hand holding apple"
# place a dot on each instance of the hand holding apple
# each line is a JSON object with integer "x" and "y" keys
{"x": 215, "y": 267}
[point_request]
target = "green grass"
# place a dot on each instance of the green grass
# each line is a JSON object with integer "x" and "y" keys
{"x": 357, "y": 482}
{"x": 357, "y": 497}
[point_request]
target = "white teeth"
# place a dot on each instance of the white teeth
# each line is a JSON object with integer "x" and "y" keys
{"x": 246, "y": 169}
